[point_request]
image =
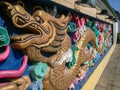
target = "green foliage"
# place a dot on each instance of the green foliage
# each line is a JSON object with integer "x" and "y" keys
{"x": 118, "y": 36}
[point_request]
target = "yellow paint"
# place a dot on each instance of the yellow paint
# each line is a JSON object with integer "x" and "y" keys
{"x": 92, "y": 81}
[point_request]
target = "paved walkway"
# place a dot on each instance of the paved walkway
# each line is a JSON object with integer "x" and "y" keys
{"x": 110, "y": 79}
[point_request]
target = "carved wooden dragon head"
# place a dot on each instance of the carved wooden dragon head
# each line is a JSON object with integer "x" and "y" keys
{"x": 44, "y": 27}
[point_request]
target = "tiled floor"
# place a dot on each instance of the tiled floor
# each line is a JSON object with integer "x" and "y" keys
{"x": 110, "y": 79}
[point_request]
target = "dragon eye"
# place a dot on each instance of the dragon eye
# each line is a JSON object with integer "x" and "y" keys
{"x": 38, "y": 19}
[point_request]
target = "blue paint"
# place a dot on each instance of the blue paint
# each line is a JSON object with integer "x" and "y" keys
{"x": 15, "y": 58}
{"x": 14, "y": 61}
{"x": 88, "y": 74}
{"x": 36, "y": 85}
{"x": 2, "y": 22}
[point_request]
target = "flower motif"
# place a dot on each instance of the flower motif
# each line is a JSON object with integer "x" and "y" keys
{"x": 38, "y": 71}
{"x": 76, "y": 36}
{"x": 71, "y": 27}
{"x": 100, "y": 27}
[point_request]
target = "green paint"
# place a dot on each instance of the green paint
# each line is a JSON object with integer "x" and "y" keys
{"x": 38, "y": 71}
{"x": 71, "y": 27}
{"x": 70, "y": 64}
{"x": 4, "y": 37}
{"x": 88, "y": 63}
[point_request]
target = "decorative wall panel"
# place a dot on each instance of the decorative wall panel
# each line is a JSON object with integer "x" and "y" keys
{"x": 48, "y": 48}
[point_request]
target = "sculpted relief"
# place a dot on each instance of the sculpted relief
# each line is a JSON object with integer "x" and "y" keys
{"x": 57, "y": 51}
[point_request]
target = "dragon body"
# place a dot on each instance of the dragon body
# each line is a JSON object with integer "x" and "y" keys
{"x": 49, "y": 37}
{"x": 60, "y": 77}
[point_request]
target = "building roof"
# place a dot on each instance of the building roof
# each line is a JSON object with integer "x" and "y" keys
{"x": 104, "y": 4}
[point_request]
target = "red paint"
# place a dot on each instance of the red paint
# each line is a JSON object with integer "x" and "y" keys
{"x": 93, "y": 57}
{"x": 100, "y": 38}
{"x": 2, "y": 84}
{"x": 76, "y": 36}
{"x": 80, "y": 22}
{"x": 100, "y": 27}
{"x": 109, "y": 31}
{"x": 4, "y": 55}
{"x": 15, "y": 73}
{"x": 76, "y": 19}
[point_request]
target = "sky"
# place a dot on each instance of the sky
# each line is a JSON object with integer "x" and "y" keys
{"x": 115, "y": 4}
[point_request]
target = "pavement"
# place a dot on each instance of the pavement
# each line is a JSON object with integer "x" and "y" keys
{"x": 110, "y": 78}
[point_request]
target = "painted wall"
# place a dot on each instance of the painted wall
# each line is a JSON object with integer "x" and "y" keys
{"x": 78, "y": 45}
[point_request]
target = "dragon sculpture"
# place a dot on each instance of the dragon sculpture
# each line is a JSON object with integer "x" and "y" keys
{"x": 21, "y": 83}
{"x": 47, "y": 32}
{"x": 59, "y": 78}
{"x": 49, "y": 36}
